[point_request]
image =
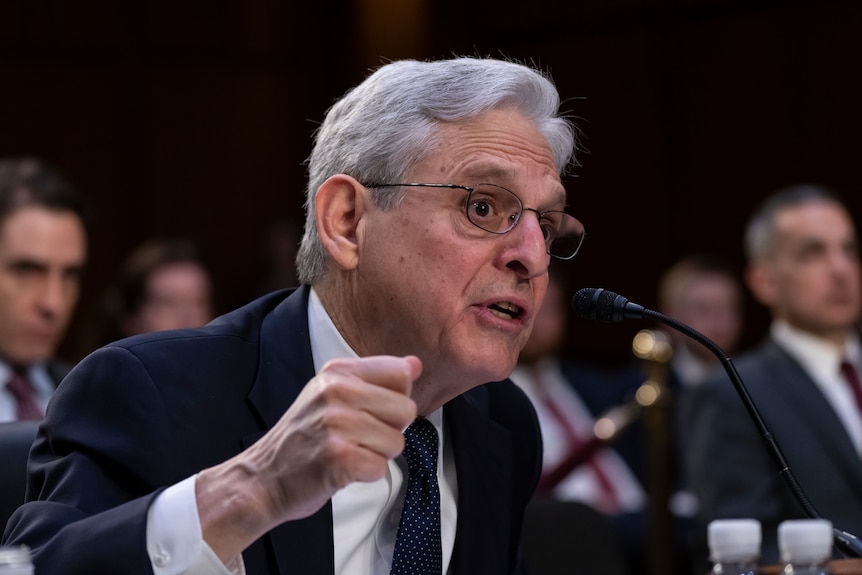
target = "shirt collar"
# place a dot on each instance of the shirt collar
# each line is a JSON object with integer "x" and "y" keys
{"x": 816, "y": 354}
{"x": 327, "y": 343}
{"x": 690, "y": 369}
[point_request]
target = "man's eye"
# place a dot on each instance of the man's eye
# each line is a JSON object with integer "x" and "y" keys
{"x": 25, "y": 268}
{"x": 549, "y": 230}
{"x": 482, "y": 208}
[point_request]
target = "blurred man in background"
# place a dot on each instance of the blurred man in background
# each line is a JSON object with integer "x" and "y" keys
{"x": 705, "y": 293}
{"x": 43, "y": 250}
{"x": 163, "y": 284}
{"x": 569, "y": 397}
{"x": 803, "y": 266}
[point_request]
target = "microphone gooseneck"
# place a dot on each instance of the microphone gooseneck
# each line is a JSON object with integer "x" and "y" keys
{"x": 603, "y": 305}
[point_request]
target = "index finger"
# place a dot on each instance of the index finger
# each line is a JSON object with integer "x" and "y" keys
{"x": 389, "y": 371}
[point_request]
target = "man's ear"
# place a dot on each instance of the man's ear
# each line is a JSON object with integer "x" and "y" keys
{"x": 339, "y": 205}
{"x": 760, "y": 281}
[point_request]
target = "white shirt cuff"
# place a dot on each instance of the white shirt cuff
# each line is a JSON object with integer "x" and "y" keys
{"x": 174, "y": 540}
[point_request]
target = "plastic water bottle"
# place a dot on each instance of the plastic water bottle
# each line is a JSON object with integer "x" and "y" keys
{"x": 734, "y": 546}
{"x": 805, "y": 546}
{"x": 15, "y": 561}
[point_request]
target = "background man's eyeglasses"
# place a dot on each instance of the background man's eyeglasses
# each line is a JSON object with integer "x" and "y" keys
{"x": 497, "y": 210}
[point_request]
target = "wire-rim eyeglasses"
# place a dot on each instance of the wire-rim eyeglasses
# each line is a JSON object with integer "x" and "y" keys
{"x": 497, "y": 210}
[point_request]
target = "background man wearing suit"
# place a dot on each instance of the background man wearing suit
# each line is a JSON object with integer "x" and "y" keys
{"x": 704, "y": 292}
{"x": 804, "y": 267}
{"x": 43, "y": 249}
{"x": 268, "y": 441}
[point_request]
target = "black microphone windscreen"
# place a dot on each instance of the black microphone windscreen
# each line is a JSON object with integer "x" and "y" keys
{"x": 584, "y": 302}
{"x": 609, "y": 306}
{"x": 599, "y": 304}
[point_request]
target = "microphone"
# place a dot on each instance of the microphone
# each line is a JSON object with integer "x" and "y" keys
{"x": 601, "y": 305}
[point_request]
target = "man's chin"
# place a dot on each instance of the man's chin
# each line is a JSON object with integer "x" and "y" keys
{"x": 33, "y": 356}
{"x": 500, "y": 371}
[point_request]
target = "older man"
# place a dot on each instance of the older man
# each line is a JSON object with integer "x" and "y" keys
{"x": 270, "y": 441}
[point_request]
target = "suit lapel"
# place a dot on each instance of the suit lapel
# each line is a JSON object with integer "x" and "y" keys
{"x": 482, "y": 451}
{"x": 304, "y": 546}
{"x": 285, "y": 363}
{"x": 807, "y": 403}
{"x": 484, "y": 466}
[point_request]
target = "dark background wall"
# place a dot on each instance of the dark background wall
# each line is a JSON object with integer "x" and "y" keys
{"x": 194, "y": 119}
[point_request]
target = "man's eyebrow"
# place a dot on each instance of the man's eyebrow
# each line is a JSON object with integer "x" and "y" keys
{"x": 28, "y": 262}
{"x": 563, "y": 197}
{"x": 25, "y": 263}
{"x": 492, "y": 174}
{"x": 484, "y": 176}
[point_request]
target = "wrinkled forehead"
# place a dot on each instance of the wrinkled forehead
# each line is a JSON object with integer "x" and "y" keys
{"x": 500, "y": 147}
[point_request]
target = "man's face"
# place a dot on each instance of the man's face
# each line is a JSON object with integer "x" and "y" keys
{"x": 432, "y": 284}
{"x": 711, "y": 304}
{"x": 178, "y": 295}
{"x": 42, "y": 255}
{"x": 813, "y": 278}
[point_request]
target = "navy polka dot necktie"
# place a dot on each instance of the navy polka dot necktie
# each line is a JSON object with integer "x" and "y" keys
{"x": 418, "y": 550}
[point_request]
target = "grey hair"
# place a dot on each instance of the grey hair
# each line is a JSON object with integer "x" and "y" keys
{"x": 387, "y": 124}
{"x": 760, "y": 230}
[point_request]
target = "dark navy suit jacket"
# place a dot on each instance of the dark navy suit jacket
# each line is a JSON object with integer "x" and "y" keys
{"x": 144, "y": 413}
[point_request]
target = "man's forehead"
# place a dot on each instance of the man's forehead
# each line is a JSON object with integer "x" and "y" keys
{"x": 44, "y": 237}
{"x": 504, "y": 131}
{"x": 480, "y": 166}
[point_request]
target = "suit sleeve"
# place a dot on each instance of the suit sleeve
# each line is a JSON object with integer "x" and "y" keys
{"x": 726, "y": 465}
{"x": 102, "y": 455}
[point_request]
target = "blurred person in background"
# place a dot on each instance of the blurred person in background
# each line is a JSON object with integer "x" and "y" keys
{"x": 569, "y": 396}
{"x": 43, "y": 251}
{"x": 704, "y": 292}
{"x": 803, "y": 266}
{"x": 164, "y": 284}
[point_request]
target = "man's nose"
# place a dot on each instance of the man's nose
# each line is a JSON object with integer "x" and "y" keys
{"x": 531, "y": 251}
{"x": 54, "y": 294}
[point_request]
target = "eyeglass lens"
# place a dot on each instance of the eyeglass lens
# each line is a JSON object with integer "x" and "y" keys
{"x": 497, "y": 210}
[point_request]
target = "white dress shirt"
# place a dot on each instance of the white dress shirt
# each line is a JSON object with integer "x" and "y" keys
{"x": 365, "y": 515}
{"x": 690, "y": 369}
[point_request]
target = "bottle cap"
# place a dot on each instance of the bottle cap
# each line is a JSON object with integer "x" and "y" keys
{"x": 805, "y": 540}
{"x": 15, "y": 556}
{"x": 734, "y": 540}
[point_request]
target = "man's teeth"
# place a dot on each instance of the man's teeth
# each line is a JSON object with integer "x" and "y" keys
{"x": 504, "y": 309}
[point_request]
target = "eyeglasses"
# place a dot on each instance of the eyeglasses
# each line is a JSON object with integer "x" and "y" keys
{"x": 497, "y": 210}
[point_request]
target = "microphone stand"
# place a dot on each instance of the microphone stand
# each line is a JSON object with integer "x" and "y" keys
{"x": 848, "y": 543}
